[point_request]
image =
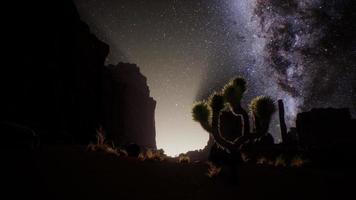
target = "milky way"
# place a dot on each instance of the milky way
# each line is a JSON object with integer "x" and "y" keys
{"x": 300, "y": 51}
{"x": 309, "y": 50}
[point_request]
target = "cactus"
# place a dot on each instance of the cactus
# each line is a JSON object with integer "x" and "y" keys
{"x": 233, "y": 93}
{"x": 207, "y": 113}
{"x": 216, "y": 102}
{"x": 218, "y": 116}
{"x": 262, "y": 108}
{"x": 234, "y": 90}
{"x": 202, "y": 111}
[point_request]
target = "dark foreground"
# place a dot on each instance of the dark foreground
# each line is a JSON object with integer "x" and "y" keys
{"x": 70, "y": 172}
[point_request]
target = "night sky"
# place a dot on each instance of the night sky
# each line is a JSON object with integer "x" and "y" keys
{"x": 188, "y": 48}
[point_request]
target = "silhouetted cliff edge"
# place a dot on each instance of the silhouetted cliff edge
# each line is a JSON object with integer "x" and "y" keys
{"x": 52, "y": 75}
{"x": 129, "y": 107}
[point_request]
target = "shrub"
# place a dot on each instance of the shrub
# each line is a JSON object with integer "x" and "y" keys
{"x": 245, "y": 157}
{"x": 153, "y": 155}
{"x": 298, "y": 161}
{"x": 213, "y": 170}
{"x": 183, "y": 158}
{"x": 101, "y": 145}
{"x": 262, "y": 160}
{"x": 280, "y": 161}
{"x": 141, "y": 156}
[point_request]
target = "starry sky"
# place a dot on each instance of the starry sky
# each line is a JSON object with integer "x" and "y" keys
{"x": 189, "y": 48}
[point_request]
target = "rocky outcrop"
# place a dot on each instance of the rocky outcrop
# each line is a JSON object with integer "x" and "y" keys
{"x": 53, "y": 80}
{"x": 202, "y": 154}
{"x": 325, "y": 127}
{"x": 129, "y": 109}
{"x": 51, "y": 77}
{"x": 329, "y": 136}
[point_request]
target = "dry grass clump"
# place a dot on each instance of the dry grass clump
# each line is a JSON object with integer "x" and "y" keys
{"x": 106, "y": 148}
{"x": 280, "y": 161}
{"x": 213, "y": 170}
{"x": 298, "y": 161}
{"x": 122, "y": 152}
{"x": 261, "y": 160}
{"x": 152, "y": 155}
{"x": 283, "y": 161}
{"x": 141, "y": 156}
{"x": 183, "y": 158}
{"x": 245, "y": 157}
{"x": 102, "y": 146}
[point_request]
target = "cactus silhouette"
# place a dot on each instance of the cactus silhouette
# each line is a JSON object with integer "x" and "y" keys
{"x": 207, "y": 114}
{"x": 228, "y": 123}
{"x": 220, "y": 113}
{"x": 261, "y": 109}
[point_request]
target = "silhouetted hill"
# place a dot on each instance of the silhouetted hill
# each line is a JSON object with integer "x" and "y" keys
{"x": 128, "y": 106}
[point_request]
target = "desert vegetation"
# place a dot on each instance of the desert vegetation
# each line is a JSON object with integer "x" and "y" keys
{"x": 101, "y": 145}
{"x": 153, "y": 155}
{"x": 213, "y": 170}
{"x": 223, "y": 107}
{"x": 227, "y": 122}
{"x": 183, "y": 158}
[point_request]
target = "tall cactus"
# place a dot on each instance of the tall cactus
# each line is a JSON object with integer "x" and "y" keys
{"x": 208, "y": 112}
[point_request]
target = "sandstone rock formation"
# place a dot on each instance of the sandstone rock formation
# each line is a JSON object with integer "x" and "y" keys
{"x": 52, "y": 76}
{"x": 128, "y": 106}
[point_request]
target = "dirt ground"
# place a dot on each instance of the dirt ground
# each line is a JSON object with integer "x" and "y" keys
{"x": 70, "y": 172}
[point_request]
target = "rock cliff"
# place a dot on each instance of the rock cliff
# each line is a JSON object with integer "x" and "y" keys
{"x": 128, "y": 106}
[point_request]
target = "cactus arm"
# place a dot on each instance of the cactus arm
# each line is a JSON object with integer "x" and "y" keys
{"x": 206, "y": 126}
{"x": 216, "y": 133}
{"x": 246, "y": 122}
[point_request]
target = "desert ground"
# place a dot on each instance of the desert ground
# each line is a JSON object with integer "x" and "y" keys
{"x": 72, "y": 172}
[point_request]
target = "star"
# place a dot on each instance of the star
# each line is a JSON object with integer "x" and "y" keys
{"x": 188, "y": 49}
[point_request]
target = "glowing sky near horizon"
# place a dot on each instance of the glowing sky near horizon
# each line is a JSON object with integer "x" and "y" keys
{"x": 172, "y": 43}
{"x": 187, "y": 49}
